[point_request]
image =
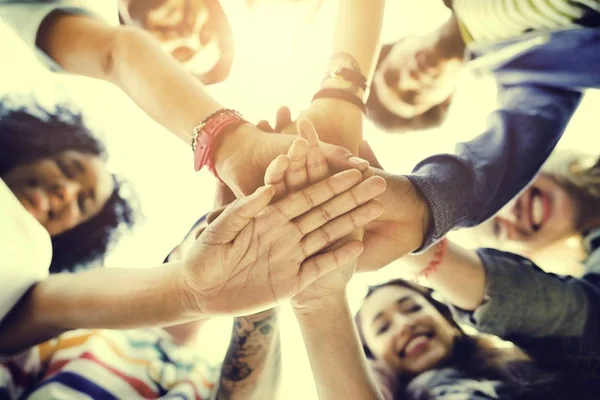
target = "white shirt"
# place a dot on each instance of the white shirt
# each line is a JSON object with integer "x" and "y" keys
{"x": 26, "y": 16}
{"x": 25, "y": 250}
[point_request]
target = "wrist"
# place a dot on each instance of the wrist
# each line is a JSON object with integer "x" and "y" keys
{"x": 351, "y": 117}
{"x": 319, "y": 306}
{"x": 192, "y": 302}
{"x": 231, "y": 154}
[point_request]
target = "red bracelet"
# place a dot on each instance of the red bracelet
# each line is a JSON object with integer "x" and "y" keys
{"x": 438, "y": 256}
{"x": 205, "y": 134}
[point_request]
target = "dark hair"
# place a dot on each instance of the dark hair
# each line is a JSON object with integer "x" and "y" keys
{"x": 28, "y": 134}
{"x": 474, "y": 355}
{"x": 387, "y": 120}
{"x": 138, "y": 10}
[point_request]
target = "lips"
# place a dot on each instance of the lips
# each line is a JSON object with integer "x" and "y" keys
{"x": 415, "y": 345}
{"x": 540, "y": 209}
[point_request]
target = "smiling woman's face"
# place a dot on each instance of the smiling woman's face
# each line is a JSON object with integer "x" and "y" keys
{"x": 61, "y": 191}
{"x": 405, "y": 330}
{"x": 540, "y": 216}
{"x": 184, "y": 28}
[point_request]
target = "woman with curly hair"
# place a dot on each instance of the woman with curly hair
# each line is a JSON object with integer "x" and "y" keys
{"x": 55, "y": 167}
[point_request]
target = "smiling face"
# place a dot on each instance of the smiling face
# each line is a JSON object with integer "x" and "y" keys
{"x": 405, "y": 330}
{"x": 416, "y": 77}
{"x": 61, "y": 191}
{"x": 186, "y": 29}
{"x": 542, "y": 215}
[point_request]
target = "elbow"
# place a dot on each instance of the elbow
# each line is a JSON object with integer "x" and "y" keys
{"x": 123, "y": 45}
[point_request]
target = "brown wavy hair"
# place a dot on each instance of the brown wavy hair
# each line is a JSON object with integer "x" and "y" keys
{"x": 477, "y": 356}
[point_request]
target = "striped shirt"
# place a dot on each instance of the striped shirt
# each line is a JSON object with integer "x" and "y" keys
{"x": 488, "y": 21}
{"x": 103, "y": 364}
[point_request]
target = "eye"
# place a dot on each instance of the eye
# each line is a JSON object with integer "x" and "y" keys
{"x": 413, "y": 309}
{"x": 81, "y": 203}
{"x": 383, "y": 328}
{"x": 66, "y": 171}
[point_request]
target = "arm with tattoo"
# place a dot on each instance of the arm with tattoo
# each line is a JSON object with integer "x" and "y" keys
{"x": 252, "y": 365}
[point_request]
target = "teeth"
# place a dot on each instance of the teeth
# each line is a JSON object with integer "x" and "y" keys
{"x": 414, "y": 343}
{"x": 537, "y": 210}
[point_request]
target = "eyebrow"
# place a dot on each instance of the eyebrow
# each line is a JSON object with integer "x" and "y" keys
{"x": 400, "y": 301}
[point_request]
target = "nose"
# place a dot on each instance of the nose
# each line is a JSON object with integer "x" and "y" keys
{"x": 64, "y": 193}
{"x": 402, "y": 324}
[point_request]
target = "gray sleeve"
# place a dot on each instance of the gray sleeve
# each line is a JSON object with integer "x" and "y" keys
{"x": 523, "y": 300}
{"x": 466, "y": 188}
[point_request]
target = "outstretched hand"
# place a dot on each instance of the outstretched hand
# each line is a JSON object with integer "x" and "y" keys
{"x": 302, "y": 166}
{"x": 256, "y": 254}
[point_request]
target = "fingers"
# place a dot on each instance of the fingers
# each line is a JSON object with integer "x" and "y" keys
{"x": 213, "y": 215}
{"x": 296, "y": 176}
{"x": 322, "y": 264}
{"x": 264, "y": 125}
{"x": 283, "y": 118}
{"x": 340, "y": 205}
{"x": 275, "y": 174}
{"x": 197, "y": 235}
{"x": 366, "y": 152}
{"x": 235, "y": 217}
{"x": 316, "y": 164}
{"x": 340, "y": 158}
{"x": 306, "y": 199}
{"x": 340, "y": 227}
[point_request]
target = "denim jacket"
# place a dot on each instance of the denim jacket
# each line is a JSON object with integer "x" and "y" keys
{"x": 555, "y": 319}
{"x": 540, "y": 77}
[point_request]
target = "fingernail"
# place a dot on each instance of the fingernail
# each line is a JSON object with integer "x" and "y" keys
{"x": 357, "y": 161}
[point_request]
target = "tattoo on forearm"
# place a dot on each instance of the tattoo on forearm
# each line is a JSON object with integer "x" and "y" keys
{"x": 254, "y": 346}
{"x": 347, "y": 61}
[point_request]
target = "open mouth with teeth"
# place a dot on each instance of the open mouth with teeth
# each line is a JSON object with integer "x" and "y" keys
{"x": 416, "y": 345}
{"x": 540, "y": 209}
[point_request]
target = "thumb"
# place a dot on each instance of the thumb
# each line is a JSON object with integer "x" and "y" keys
{"x": 283, "y": 118}
{"x": 235, "y": 217}
{"x": 366, "y": 153}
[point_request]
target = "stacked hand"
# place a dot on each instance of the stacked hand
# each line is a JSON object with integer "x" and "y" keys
{"x": 257, "y": 254}
{"x": 303, "y": 165}
{"x": 401, "y": 227}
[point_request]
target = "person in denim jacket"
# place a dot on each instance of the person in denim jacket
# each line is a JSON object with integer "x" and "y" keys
{"x": 555, "y": 319}
{"x": 542, "y": 57}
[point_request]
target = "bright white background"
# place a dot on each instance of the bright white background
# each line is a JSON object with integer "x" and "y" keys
{"x": 279, "y": 59}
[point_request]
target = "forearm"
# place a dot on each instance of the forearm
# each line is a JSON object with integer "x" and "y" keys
{"x": 336, "y": 357}
{"x": 468, "y": 187}
{"x": 133, "y": 60}
{"x": 459, "y": 278}
{"x": 252, "y": 365}
{"x": 355, "y": 47}
{"x": 356, "y": 36}
{"x": 102, "y": 298}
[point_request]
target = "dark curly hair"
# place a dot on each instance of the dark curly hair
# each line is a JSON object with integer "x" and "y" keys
{"x": 475, "y": 355}
{"x": 388, "y": 121}
{"x": 28, "y": 134}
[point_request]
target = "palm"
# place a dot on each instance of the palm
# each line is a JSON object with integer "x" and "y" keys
{"x": 256, "y": 255}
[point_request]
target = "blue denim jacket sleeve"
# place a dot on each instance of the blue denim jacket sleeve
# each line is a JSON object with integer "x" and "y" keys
{"x": 468, "y": 187}
{"x": 536, "y": 309}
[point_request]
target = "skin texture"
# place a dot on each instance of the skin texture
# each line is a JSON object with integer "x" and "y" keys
{"x": 394, "y": 316}
{"x": 61, "y": 191}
